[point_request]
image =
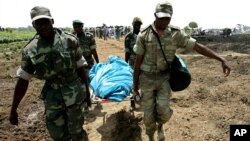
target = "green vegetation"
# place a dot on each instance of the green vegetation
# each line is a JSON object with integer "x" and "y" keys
{"x": 9, "y": 36}
{"x": 10, "y": 50}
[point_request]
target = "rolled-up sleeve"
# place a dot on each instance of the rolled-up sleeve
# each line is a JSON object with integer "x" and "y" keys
{"x": 26, "y": 70}
{"x": 139, "y": 47}
{"x": 183, "y": 40}
{"x": 23, "y": 74}
{"x": 190, "y": 43}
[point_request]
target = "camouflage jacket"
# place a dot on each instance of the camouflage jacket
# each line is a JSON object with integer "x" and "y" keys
{"x": 87, "y": 43}
{"x": 130, "y": 40}
{"x": 46, "y": 62}
{"x": 55, "y": 63}
{"x": 147, "y": 45}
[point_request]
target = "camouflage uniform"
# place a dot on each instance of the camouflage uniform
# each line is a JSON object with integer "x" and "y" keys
{"x": 130, "y": 40}
{"x": 87, "y": 43}
{"x": 153, "y": 80}
{"x": 62, "y": 92}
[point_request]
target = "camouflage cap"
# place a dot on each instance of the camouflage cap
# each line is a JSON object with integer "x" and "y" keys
{"x": 136, "y": 20}
{"x": 164, "y": 9}
{"x": 77, "y": 22}
{"x": 39, "y": 12}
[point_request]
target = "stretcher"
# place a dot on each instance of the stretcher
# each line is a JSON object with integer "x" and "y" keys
{"x": 96, "y": 100}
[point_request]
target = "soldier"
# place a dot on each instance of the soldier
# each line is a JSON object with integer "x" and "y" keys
{"x": 151, "y": 73}
{"x": 54, "y": 56}
{"x": 129, "y": 44}
{"x": 87, "y": 43}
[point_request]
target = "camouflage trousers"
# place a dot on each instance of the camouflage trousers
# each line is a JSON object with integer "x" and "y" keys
{"x": 64, "y": 115}
{"x": 155, "y": 99}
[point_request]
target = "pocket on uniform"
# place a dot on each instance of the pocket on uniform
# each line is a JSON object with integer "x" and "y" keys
{"x": 40, "y": 64}
{"x": 53, "y": 99}
{"x": 73, "y": 93}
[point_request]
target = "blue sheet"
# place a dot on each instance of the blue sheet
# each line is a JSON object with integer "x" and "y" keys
{"x": 112, "y": 80}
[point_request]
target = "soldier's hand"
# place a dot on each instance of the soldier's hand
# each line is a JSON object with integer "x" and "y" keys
{"x": 135, "y": 93}
{"x": 88, "y": 99}
{"x": 226, "y": 68}
{"x": 13, "y": 118}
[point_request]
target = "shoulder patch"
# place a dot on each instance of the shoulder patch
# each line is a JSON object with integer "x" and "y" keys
{"x": 70, "y": 34}
{"x": 146, "y": 28}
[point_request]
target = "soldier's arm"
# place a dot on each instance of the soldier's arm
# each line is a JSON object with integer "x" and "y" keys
{"x": 94, "y": 52}
{"x": 202, "y": 49}
{"x": 126, "y": 44}
{"x": 93, "y": 48}
{"x": 19, "y": 92}
{"x": 24, "y": 74}
{"x": 140, "y": 51}
{"x": 82, "y": 74}
{"x": 80, "y": 61}
{"x": 137, "y": 71}
{"x": 127, "y": 55}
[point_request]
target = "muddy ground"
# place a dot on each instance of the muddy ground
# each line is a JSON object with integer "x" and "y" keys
{"x": 202, "y": 112}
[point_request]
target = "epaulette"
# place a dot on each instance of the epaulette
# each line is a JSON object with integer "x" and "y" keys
{"x": 30, "y": 40}
{"x": 129, "y": 34}
{"x": 174, "y": 27}
{"x": 146, "y": 28}
{"x": 70, "y": 34}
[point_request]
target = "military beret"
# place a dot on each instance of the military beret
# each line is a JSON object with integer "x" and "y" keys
{"x": 77, "y": 22}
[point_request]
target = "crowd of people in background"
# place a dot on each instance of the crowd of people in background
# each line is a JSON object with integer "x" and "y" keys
{"x": 109, "y": 32}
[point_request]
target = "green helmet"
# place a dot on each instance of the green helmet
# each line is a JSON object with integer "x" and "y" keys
{"x": 136, "y": 20}
{"x": 77, "y": 22}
